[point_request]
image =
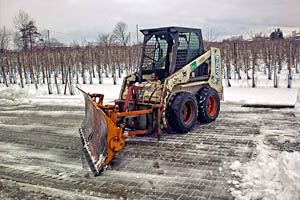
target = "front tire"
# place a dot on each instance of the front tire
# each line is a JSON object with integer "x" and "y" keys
{"x": 208, "y": 105}
{"x": 182, "y": 112}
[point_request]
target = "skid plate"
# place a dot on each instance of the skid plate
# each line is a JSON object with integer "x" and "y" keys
{"x": 93, "y": 133}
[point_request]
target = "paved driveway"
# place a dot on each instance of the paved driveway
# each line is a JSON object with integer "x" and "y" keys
{"x": 40, "y": 156}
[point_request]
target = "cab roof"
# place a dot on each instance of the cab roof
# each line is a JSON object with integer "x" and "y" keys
{"x": 171, "y": 29}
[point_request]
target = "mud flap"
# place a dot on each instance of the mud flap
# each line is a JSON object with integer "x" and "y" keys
{"x": 93, "y": 133}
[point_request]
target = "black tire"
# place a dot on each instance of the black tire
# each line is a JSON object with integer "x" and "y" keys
{"x": 182, "y": 112}
{"x": 208, "y": 105}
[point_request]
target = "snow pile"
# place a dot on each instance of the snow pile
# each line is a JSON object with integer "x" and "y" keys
{"x": 235, "y": 165}
{"x": 272, "y": 175}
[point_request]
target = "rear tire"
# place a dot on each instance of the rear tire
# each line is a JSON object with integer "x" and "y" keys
{"x": 182, "y": 112}
{"x": 208, "y": 105}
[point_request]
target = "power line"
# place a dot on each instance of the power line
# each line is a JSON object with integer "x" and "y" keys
{"x": 137, "y": 34}
{"x": 57, "y": 32}
{"x": 48, "y": 31}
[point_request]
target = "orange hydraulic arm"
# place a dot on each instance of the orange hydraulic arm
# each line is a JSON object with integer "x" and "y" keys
{"x": 116, "y": 135}
{"x": 102, "y": 132}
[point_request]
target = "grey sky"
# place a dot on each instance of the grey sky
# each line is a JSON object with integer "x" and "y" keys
{"x": 83, "y": 19}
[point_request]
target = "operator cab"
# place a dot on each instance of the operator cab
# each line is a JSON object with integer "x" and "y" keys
{"x": 166, "y": 50}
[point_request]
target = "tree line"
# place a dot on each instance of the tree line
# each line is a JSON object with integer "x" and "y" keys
{"x": 242, "y": 59}
{"x": 39, "y": 60}
{"x": 67, "y": 66}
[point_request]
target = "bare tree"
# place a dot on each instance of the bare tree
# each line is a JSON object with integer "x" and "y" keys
{"x": 297, "y": 56}
{"x": 17, "y": 40}
{"x": 55, "y": 43}
{"x": 276, "y": 59}
{"x": 105, "y": 39}
{"x": 74, "y": 44}
{"x": 4, "y": 38}
{"x": 289, "y": 57}
{"x": 21, "y": 20}
{"x": 120, "y": 33}
{"x": 254, "y": 56}
{"x": 28, "y": 35}
{"x": 246, "y": 59}
{"x": 210, "y": 36}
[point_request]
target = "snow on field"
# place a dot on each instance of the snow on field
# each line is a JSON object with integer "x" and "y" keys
{"x": 271, "y": 174}
{"x": 262, "y": 81}
{"x": 110, "y": 91}
{"x": 15, "y": 95}
{"x": 241, "y": 92}
{"x": 261, "y": 96}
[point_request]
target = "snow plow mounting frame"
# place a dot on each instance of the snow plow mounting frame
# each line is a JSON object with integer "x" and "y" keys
{"x": 103, "y": 124}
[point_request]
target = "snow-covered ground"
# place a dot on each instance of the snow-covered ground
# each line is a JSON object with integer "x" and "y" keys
{"x": 271, "y": 174}
{"x": 261, "y": 96}
{"x": 264, "y": 93}
{"x": 16, "y": 94}
{"x": 240, "y": 92}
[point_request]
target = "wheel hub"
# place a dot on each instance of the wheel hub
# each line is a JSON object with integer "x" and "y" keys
{"x": 187, "y": 112}
{"x": 212, "y": 106}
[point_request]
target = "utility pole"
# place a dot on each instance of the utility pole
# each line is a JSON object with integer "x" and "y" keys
{"x": 129, "y": 39}
{"x": 48, "y": 33}
{"x": 137, "y": 34}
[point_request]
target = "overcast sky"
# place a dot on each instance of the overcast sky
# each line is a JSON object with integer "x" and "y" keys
{"x": 81, "y": 20}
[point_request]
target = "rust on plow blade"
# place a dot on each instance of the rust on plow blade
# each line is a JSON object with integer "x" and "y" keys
{"x": 93, "y": 134}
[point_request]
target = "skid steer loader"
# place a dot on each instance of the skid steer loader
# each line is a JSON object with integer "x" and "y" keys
{"x": 176, "y": 84}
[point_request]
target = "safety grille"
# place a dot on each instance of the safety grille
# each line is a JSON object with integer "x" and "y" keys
{"x": 155, "y": 49}
{"x": 188, "y": 49}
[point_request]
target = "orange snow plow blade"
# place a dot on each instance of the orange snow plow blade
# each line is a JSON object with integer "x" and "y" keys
{"x": 102, "y": 137}
{"x": 93, "y": 134}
